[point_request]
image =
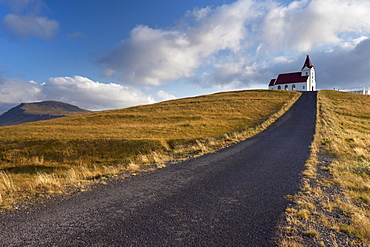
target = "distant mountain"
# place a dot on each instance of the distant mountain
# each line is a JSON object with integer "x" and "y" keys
{"x": 32, "y": 112}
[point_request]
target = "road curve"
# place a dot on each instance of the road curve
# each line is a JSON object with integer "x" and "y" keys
{"x": 234, "y": 197}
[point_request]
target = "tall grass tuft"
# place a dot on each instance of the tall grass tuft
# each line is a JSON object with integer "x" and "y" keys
{"x": 48, "y": 181}
{"x": 6, "y": 182}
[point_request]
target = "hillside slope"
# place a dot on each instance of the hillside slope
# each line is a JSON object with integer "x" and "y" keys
{"x": 32, "y": 112}
{"x": 47, "y": 156}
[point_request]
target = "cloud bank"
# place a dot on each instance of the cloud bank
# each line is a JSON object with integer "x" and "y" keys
{"x": 76, "y": 90}
{"x": 303, "y": 25}
{"x": 236, "y": 45}
{"x": 153, "y": 56}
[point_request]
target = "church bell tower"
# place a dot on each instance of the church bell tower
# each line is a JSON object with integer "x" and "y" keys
{"x": 309, "y": 70}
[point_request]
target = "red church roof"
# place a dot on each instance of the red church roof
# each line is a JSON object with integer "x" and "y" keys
{"x": 289, "y": 78}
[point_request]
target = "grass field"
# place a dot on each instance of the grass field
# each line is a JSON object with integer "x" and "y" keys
{"x": 48, "y": 156}
{"x": 346, "y": 135}
{"x": 334, "y": 202}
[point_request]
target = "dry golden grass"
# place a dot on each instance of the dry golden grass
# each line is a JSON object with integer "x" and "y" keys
{"x": 190, "y": 118}
{"x": 47, "y": 156}
{"x": 345, "y": 122}
{"x": 333, "y": 206}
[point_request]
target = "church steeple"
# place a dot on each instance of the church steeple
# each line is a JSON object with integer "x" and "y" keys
{"x": 308, "y": 63}
{"x": 309, "y": 71}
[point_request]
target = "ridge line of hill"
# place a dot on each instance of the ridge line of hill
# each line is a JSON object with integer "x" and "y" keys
{"x": 38, "y": 111}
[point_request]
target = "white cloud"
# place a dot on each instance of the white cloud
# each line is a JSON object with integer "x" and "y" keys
{"x": 352, "y": 43}
{"x": 199, "y": 13}
{"x": 303, "y": 25}
{"x": 154, "y": 56}
{"x": 93, "y": 95}
{"x": 236, "y": 72}
{"x": 26, "y": 22}
{"x": 283, "y": 59}
{"x": 30, "y": 25}
{"x": 14, "y": 91}
{"x": 76, "y": 90}
{"x": 162, "y": 95}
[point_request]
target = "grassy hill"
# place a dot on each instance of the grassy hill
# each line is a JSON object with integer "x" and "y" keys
{"x": 47, "y": 156}
{"x": 31, "y": 112}
{"x": 335, "y": 199}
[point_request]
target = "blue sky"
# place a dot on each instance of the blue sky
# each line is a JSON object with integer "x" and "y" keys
{"x": 100, "y": 54}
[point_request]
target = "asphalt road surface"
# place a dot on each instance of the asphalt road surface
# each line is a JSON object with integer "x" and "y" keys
{"x": 234, "y": 197}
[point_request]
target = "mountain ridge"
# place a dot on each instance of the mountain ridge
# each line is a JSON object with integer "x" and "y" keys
{"x": 38, "y": 111}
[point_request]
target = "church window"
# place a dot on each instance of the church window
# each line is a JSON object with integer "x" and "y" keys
{"x": 303, "y": 87}
{"x": 286, "y": 87}
{"x": 279, "y": 87}
{"x": 293, "y": 87}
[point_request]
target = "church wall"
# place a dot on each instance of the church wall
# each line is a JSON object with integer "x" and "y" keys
{"x": 300, "y": 86}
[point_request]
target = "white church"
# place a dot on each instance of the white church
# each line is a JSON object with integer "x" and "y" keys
{"x": 298, "y": 81}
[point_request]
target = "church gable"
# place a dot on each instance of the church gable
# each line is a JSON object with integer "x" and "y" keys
{"x": 272, "y": 82}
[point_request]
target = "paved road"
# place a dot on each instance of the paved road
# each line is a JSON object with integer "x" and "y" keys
{"x": 234, "y": 197}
